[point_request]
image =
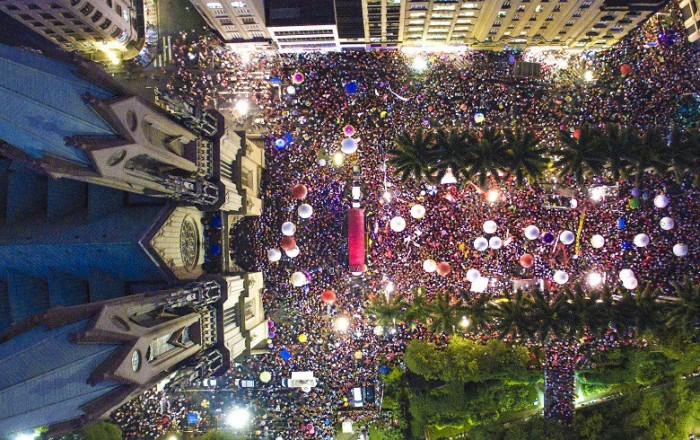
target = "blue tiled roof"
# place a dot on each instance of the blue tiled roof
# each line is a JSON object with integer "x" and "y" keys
{"x": 42, "y": 104}
{"x": 44, "y": 377}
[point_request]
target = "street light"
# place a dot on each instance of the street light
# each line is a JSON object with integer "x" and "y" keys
{"x": 341, "y": 324}
{"x": 595, "y": 279}
{"x": 338, "y": 159}
{"x": 238, "y": 418}
{"x": 492, "y": 195}
{"x": 588, "y": 75}
{"x": 448, "y": 178}
{"x": 464, "y": 322}
{"x": 242, "y": 107}
{"x": 25, "y": 436}
{"x": 419, "y": 64}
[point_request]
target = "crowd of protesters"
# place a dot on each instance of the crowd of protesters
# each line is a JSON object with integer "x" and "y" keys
{"x": 379, "y": 95}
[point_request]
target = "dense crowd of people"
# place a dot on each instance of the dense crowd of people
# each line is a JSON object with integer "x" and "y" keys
{"x": 379, "y": 95}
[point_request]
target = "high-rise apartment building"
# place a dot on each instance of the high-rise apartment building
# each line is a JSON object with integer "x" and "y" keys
{"x": 239, "y": 22}
{"x": 484, "y": 24}
{"x": 302, "y": 25}
{"x": 101, "y": 30}
{"x": 690, "y": 14}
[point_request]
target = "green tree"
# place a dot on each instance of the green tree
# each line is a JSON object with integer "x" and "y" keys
{"x": 425, "y": 359}
{"x": 684, "y": 314}
{"x": 645, "y": 153}
{"x": 101, "y": 431}
{"x": 487, "y": 157}
{"x": 526, "y": 158}
{"x": 386, "y": 312}
{"x": 614, "y": 142}
{"x": 442, "y": 314}
{"x": 680, "y": 153}
{"x": 452, "y": 149}
{"x": 580, "y": 157}
{"x": 413, "y": 157}
{"x": 510, "y": 314}
{"x": 477, "y": 310}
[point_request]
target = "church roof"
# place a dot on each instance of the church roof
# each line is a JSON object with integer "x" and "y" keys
{"x": 42, "y": 104}
{"x": 44, "y": 377}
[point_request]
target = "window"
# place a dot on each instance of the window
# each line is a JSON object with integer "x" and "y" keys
{"x": 214, "y": 5}
{"x": 68, "y": 15}
{"x": 501, "y": 14}
{"x": 119, "y": 10}
{"x": 87, "y": 9}
{"x": 516, "y": 17}
{"x": 557, "y": 8}
{"x": 33, "y": 7}
{"x": 493, "y": 31}
{"x": 496, "y": 23}
{"x": 46, "y": 15}
{"x": 74, "y": 2}
{"x": 109, "y": 3}
{"x": 11, "y": 7}
{"x": 569, "y": 23}
{"x": 26, "y": 17}
{"x": 105, "y": 24}
{"x": 117, "y": 32}
{"x": 37, "y": 24}
{"x": 521, "y": 8}
{"x": 226, "y": 22}
{"x": 49, "y": 32}
{"x": 238, "y": 4}
{"x": 55, "y": 6}
{"x": 550, "y": 18}
{"x": 249, "y": 309}
{"x": 96, "y": 16}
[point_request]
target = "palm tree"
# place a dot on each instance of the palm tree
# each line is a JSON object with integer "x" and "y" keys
{"x": 443, "y": 314}
{"x": 581, "y": 157}
{"x": 546, "y": 316}
{"x": 417, "y": 310}
{"x": 684, "y": 314}
{"x": 413, "y": 155}
{"x": 477, "y": 310}
{"x": 581, "y": 312}
{"x": 614, "y": 143}
{"x": 645, "y": 153}
{"x": 487, "y": 157}
{"x": 386, "y": 312}
{"x": 526, "y": 157}
{"x": 452, "y": 149}
{"x": 680, "y": 153}
{"x": 510, "y": 313}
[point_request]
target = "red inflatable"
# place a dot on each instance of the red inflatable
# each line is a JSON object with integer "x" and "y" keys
{"x": 577, "y": 134}
{"x": 443, "y": 268}
{"x": 299, "y": 191}
{"x": 328, "y": 297}
{"x": 625, "y": 69}
{"x": 288, "y": 243}
{"x": 527, "y": 260}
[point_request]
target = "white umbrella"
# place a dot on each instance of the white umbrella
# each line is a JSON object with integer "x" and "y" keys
{"x": 305, "y": 210}
{"x": 641, "y": 240}
{"x": 288, "y": 228}
{"x": 293, "y": 252}
{"x": 274, "y": 254}
{"x": 397, "y": 224}
{"x": 532, "y": 232}
{"x": 473, "y": 275}
{"x": 567, "y": 237}
{"x": 348, "y": 146}
{"x": 418, "y": 211}
{"x": 667, "y": 223}
{"x": 481, "y": 244}
{"x": 299, "y": 279}
{"x": 291, "y": 90}
{"x": 561, "y": 277}
{"x": 429, "y": 265}
{"x": 680, "y": 250}
{"x": 597, "y": 241}
{"x": 661, "y": 201}
{"x": 626, "y": 274}
{"x": 490, "y": 226}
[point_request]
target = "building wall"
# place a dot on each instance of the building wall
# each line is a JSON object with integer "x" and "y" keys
{"x": 305, "y": 38}
{"x": 690, "y": 13}
{"x": 100, "y": 29}
{"x": 494, "y": 24}
{"x": 240, "y": 22}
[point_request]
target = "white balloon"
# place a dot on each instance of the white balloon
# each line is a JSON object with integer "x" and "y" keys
{"x": 667, "y": 223}
{"x": 418, "y": 211}
{"x": 473, "y": 275}
{"x": 299, "y": 279}
{"x": 630, "y": 283}
{"x": 274, "y": 254}
{"x": 291, "y": 90}
{"x": 322, "y": 162}
{"x": 378, "y": 330}
{"x": 626, "y": 274}
{"x": 680, "y": 250}
{"x": 293, "y": 252}
{"x": 429, "y": 265}
{"x": 305, "y": 210}
{"x": 348, "y": 146}
{"x": 661, "y": 201}
{"x": 561, "y": 277}
{"x": 567, "y": 237}
{"x": 495, "y": 242}
{"x": 481, "y": 244}
{"x": 480, "y": 285}
{"x": 490, "y": 226}
{"x": 288, "y": 228}
{"x": 597, "y": 241}
{"x": 479, "y": 118}
{"x": 641, "y": 240}
{"x": 532, "y": 232}
{"x": 397, "y": 224}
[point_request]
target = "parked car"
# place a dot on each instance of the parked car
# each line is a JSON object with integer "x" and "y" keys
{"x": 244, "y": 383}
{"x": 356, "y": 398}
{"x": 370, "y": 395}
